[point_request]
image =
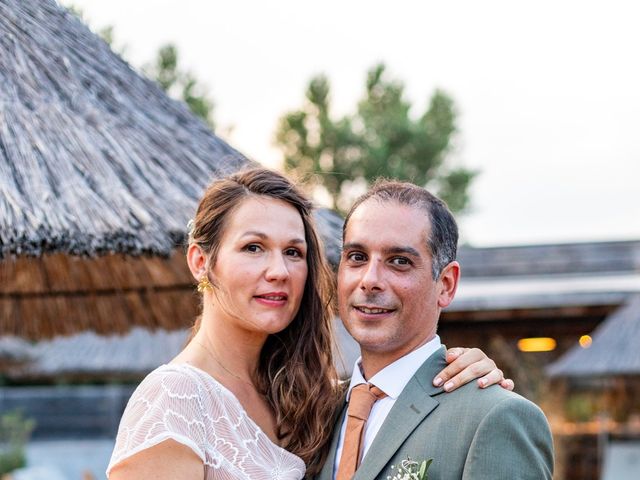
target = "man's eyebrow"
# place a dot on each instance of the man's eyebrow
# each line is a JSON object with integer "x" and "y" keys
{"x": 405, "y": 250}
{"x": 255, "y": 233}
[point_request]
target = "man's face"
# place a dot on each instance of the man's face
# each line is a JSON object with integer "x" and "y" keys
{"x": 388, "y": 299}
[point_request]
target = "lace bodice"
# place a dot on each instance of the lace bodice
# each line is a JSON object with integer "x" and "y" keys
{"x": 185, "y": 404}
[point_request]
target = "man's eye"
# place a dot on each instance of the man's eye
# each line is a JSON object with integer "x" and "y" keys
{"x": 400, "y": 261}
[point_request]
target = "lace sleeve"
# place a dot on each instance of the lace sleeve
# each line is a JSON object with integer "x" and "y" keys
{"x": 166, "y": 405}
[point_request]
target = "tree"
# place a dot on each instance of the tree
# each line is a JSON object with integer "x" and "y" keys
{"x": 181, "y": 84}
{"x": 379, "y": 139}
{"x": 165, "y": 70}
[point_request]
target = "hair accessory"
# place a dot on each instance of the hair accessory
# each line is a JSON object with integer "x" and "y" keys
{"x": 204, "y": 284}
{"x": 191, "y": 226}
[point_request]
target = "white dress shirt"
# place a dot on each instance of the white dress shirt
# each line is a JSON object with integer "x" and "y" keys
{"x": 391, "y": 380}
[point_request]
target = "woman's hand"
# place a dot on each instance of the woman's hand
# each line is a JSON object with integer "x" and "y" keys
{"x": 466, "y": 364}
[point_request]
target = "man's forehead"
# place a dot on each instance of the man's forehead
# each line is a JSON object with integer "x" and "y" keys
{"x": 387, "y": 223}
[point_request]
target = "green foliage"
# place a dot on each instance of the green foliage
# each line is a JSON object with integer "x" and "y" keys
{"x": 182, "y": 85}
{"x": 15, "y": 431}
{"x": 165, "y": 70}
{"x": 380, "y": 139}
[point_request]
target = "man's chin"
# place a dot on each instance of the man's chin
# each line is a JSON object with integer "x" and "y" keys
{"x": 371, "y": 341}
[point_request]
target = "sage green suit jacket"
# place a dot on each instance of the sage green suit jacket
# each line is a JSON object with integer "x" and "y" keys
{"x": 470, "y": 434}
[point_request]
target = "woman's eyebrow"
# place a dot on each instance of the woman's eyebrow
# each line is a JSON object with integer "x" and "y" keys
{"x": 255, "y": 233}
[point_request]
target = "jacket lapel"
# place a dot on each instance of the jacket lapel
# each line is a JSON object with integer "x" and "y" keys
{"x": 327, "y": 470}
{"x": 412, "y": 406}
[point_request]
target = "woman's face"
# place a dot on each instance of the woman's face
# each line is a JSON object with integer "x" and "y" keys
{"x": 260, "y": 271}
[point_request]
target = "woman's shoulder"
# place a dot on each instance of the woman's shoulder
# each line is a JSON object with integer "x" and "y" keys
{"x": 181, "y": 384}
{"x": 178, "y": 376}
{"x": 172, "y": 402}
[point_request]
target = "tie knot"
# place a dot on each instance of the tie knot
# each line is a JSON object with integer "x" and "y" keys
{"x": 363, "y": 396}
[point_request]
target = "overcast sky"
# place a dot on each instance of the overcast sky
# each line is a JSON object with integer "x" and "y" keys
{"x": 548, "y": 92}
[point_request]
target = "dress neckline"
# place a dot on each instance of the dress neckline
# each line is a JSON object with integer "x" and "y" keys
{"x": 232, "y": 395}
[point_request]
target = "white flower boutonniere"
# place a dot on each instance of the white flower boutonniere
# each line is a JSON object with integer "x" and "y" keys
{"x": 411, "y": 470}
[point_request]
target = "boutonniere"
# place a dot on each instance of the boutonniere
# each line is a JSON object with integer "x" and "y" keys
{"x": 411, "y": 470}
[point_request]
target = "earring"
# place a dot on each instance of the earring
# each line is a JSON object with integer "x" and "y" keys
{"x": 204, "y": 284}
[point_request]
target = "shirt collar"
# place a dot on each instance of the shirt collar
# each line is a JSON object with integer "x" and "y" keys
{"x": 394, "y": 377}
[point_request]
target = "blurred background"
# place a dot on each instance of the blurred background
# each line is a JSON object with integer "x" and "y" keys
{"x": 115, "y": 115}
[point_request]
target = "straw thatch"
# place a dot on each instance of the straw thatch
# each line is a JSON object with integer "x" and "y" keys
{"x": 59, "y": 294}
{"x": 13, "y": 351}
{"x": 614, "y": 351}
{"x": 91, "y": 356}
{"x": 88, "y": 356}
{"x": 95, "y": 160}
{"x": 93, "y": 157}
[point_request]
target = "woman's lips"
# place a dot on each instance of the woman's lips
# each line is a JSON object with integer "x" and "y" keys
{"x": 272, "y": 299}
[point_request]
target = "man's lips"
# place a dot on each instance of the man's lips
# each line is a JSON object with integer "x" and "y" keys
{"x": 373, "y": 309}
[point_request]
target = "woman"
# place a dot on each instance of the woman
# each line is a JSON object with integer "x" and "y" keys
{"x": 254, "y": 392}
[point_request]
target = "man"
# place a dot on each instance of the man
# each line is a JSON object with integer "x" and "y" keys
{"x": 397, "y": 272}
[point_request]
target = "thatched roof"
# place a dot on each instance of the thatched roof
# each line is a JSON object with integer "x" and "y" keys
{"x": 93, "y": 157}
{"x": 60, "y": 294}
{"x": 13, "y": 351}
{"x": 615, "y": 349}
{"x": 88, "y": 355}
{"x": 97, "y": 165}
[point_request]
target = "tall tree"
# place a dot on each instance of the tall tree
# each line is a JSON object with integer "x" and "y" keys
{"x": 166, "y": 71}
{"x": 380, "y": 139}
{"x": 181, "y": 84}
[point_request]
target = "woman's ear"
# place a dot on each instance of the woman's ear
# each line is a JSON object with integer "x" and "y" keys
{"x": 197, "y": 261}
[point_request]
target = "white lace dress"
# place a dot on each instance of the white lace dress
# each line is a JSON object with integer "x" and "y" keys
{"x": 185, "y": 404}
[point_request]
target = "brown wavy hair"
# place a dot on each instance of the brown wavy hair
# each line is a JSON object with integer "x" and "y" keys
{"x": 295, "y": 373}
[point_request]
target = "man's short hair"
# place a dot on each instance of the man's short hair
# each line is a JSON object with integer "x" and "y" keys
{"x": 443, "y": 238}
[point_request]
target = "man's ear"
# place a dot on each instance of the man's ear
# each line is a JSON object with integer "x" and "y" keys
{"x": 197, "y": 261}
{"x": 448, "y": 284}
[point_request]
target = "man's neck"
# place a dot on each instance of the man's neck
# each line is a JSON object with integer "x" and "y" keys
{"x": 374, "y": 361}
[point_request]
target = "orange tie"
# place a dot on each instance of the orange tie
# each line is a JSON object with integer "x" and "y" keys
{"x": 363, "y": 396}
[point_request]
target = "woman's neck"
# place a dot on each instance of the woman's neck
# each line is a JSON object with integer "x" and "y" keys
{"x": 234, "y": 349}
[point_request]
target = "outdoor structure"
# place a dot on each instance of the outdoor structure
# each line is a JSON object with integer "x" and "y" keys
{"x": 600, "y": 387}
{"x": 100, "y": 172}
{"x": 526, "y": 306}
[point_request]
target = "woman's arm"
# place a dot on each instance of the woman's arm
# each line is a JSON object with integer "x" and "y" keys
{"x": 167, "y": 460}
{"x": 466, "y": 364}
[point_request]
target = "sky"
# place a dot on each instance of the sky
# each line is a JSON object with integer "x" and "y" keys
{"x": 547, "y": 92}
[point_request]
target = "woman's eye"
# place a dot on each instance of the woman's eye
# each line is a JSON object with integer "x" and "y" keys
{"x": 356, "y": 257}
{"x": 293, "y": 252}
{"x": 253, "y": 248}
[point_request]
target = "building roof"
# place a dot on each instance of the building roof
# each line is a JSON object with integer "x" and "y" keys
{"x": 96, "y": 161}
{"x": 93, "y": 156}
{"x": 547, "y": 276}
{"x": 91, "y": 355}
{"x": 614, "y": 351}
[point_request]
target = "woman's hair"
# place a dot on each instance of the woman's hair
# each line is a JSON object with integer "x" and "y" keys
{"x": 295, "y": 372}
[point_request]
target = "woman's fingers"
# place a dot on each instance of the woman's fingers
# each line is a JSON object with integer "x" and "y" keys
{"x": 466, "y": 364}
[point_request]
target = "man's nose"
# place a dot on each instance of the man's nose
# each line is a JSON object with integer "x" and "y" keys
{"x": 372, "y": 276}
